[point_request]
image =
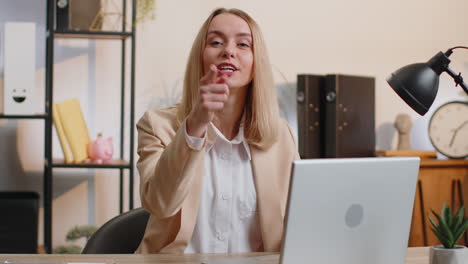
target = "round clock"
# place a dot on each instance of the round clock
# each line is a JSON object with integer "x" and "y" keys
{"x": 448, "y": 129}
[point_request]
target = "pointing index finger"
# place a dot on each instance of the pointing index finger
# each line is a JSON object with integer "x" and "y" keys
{"x": 211, "y": 75}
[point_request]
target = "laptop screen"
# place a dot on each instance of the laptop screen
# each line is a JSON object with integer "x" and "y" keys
{"x": 353, "y": 210}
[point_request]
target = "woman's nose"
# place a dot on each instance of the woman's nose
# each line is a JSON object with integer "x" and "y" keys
{"x": 228, "y": 51}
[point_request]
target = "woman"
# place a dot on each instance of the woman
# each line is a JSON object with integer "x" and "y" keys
{"x": 215, "y": 168}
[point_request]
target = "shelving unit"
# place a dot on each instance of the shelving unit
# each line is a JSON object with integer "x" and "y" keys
{"x": 122, "y": 163}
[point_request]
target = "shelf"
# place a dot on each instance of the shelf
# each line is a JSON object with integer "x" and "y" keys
{"x": 113, "y": 164}
{"x": 93, "y": 34}
{"x": 35, "y": 116}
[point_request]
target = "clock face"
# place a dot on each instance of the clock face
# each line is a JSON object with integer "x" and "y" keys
{"x": 448, "y": 129}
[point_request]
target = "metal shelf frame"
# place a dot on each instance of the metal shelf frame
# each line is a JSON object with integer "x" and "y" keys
{"x": 120, "y": 164}
{"x": 36, "y": 116}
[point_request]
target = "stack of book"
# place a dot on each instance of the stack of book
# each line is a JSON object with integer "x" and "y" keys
{"x": 71, "y": 130}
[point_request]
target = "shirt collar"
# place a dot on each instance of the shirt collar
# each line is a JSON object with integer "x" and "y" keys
{"x": 214, "y": 135}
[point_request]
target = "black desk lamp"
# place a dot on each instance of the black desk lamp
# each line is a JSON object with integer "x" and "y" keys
{"x": 417, "y": 84}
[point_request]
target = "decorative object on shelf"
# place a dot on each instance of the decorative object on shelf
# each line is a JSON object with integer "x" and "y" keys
{"x": 108, "y": 18}
{"x": 449, "y": 229}
{"x": 70, "y": 118}
{"x": 77, "y": 232}
{"x": 100, "y": 150}
{"x": 82, "y": 13}
{"x": 19, "y": 68}
{"x": 417, "y": 84}
{"x": 76, "y": 14}
{"x": 448, "y": 129}
{"x": 403, "y": 125}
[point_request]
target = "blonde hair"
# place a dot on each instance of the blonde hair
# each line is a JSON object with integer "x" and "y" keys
{"x": 261, "y": 107}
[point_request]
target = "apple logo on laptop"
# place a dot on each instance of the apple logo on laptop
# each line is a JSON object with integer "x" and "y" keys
{"x": 354, "y": 215}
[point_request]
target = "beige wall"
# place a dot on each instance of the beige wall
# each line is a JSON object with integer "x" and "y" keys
{"x": 365, "y": 37}
{"x": 362, "y": 37}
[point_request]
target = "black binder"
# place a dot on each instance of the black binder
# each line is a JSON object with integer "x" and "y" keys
{"x": 309, "y": 118}
{"x": 336, "y": 116}
{"x": 62, "y": 22}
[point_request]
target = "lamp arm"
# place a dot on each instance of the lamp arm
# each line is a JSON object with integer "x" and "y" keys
{"x": 458, "y": 79}
{"x": 449, "y": 51}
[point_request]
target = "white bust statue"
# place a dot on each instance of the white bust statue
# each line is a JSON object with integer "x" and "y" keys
{"x": 403, "y": 125}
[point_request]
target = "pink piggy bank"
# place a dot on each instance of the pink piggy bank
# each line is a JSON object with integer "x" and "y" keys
{"x": 101, "y": 149}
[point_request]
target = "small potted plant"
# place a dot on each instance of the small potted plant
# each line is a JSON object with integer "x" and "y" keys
{"x": 76, "y": 233}
{"x": 449, "y": 228}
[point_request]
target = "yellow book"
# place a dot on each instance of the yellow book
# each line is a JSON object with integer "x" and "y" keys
{"x": 75, "y": 129}
{"x": 61, "y": 135}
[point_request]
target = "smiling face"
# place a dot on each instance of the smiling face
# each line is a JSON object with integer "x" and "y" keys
{"x": 229, "y": 47}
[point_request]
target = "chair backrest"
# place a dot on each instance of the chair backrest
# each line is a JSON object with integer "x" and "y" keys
{"x": 18, "y": 222}
{"x": 120, "y": 235}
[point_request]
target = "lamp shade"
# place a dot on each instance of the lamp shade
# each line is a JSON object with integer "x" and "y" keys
{"x": 417, "y": 85}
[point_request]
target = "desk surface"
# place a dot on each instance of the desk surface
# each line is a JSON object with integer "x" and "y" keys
{"x": 415, "y": 256}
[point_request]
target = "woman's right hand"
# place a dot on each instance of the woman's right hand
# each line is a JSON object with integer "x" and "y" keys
{"x": 213, "y": 94}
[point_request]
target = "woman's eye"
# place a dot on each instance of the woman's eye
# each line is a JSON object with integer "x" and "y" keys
{"x": 244, "y": 45}
{"x": 215, "y": 43}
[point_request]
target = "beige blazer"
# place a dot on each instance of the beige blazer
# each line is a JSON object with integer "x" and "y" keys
{"x": 171, "y": 177}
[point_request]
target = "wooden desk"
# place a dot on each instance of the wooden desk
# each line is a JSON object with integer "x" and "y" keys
{"x": 439, "y": 181}
{"x": 415, "y": 256}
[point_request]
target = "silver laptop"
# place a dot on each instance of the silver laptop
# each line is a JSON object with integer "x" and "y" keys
{"x": 353, "y": 211}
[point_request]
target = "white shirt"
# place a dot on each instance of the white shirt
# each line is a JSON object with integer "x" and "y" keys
{"x": 227, "y": 220}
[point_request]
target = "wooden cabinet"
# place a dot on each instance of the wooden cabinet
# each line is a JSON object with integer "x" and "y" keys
{"x": 439, "y": 181}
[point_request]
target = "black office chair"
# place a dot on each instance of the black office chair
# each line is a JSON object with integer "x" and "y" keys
{"x": 18, "y": 222}
{"x": 120, "y": 235}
